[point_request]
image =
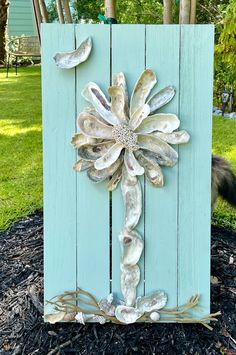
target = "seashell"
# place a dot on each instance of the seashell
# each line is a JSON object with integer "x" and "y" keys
{"x": 119, "y": 80}
{"x": 101, "y": 175}
{"x": 178, "y": 137}
{"x": 164, "y": 122}
{"x": 107, "y": 307}
{"x": 92, "y": 111}
{"x": 94, "y": 151}
{"x": 82, "y": 165}
{"x": 114, "y": 181}
{"x": 161, "y": 98}
{"x": 159, "y": 159}
{"x": 155, "y": 316}
{"x": 92, "y": 127}
{"x": 109, "y": 157}
{"x": 118, "y": 103}
{"x": 69, "y": 317}
{"x": 152, "y": 169}
{"x": 142, "y": 89}
{"x": 159, "y": 147}
{"x": 132, "y": 247}
{"x": 132, "y": 166}
{"x": 67, "y": 60}
{"x": 155, "y": 301}
{"x": 83, "y": 318}
{"x": 54, "y": 317}
{"x": 130, "y": 276}
{"x": 127, "y": 315}
{"x": 93, "y": 94}
{"x": 132, "y": 196}
{"x": 138, "y": 116}
{"x": 79, "y": 139}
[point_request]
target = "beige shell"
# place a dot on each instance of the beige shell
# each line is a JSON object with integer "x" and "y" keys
{"x": 132, "y": 247}
{"x": 159, "y": 147}
{"x": 179, "y": 137}
{"x": 68, "y": 60}
{"x": 142, "y": 89}
{"x": 132, "y": 196}
{"x": 119, "y": 80}
{"x": 130, "y": 276}
{"x": 118, "y": 103}
{"x": 153, "y": 302}
{"x": 114, "y": 181}
{"x": 54, "y": 317}
{"x": 101, "y": 175}
{"x": 138, "y": 116}
{"x": 94, "y": 151}
{"x": 109, "y": 157}
{"x": 92, "y": 127}
{"x": 80, "y": 139}
{"x": 82, "y": 165}
{"x": 127, "y": 315}
{"x": 152, "y": 169}
{"x": 83, "y": 318}
{"x": 131, "y": 164}
{"x": 161, "y": 98}
{"x": 163, "y": 122}
{"x": 155, "y": 316}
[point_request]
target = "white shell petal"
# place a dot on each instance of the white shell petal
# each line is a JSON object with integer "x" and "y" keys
{"x": 82, "y": 165}
{"x": 127, "y": 315}
{"x": 164, "y": 122}
{"x": 159, "y": 147}
{"x": 161, "y": 98}
{"x": 114, "y": 181}
{"x": 132, "y": 247}
{"x": 155, "y": 316}
{"x": 94, "y": 151}
{"x": 109, "y": 157}
{"x": 132, "y": 196}
{"x": 118, "y": 103}
{"x": 138, "y": 116}
{"x": 79, "y": 139}
{"x": 178, "y": 137}
{"x": 132, "y": 166}
{"x": 142, "y": 89}
{"x": 119, "y": 80}
{"x": 54, "y": 317}
{"x": 155, "y": 301}
{"x": 152, "y": 169}
{"x": 101, "y": 175}
{"x": 93, "y": 128}
{"x": 130, "y": 276}
{"x": 67, "y": 60}
{"x": 93, "y": 94}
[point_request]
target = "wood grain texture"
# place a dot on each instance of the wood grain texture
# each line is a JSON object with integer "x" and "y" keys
{"x": 162, "y": 55}
{"x": 58, "y": 95}
{"x": 196, "y": 74}
{"x": 93, "y": 273}
{"x": 128, "y": 56}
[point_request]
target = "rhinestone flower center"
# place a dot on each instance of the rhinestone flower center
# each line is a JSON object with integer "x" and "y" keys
{"x": 123, "y": 134}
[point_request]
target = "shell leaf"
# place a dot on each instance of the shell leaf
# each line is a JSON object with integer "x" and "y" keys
{"x": 109, "y": 157}
{"x": 164, "y": 122}
{"x": 93, "y": 128}
{"x": 161, "y": 98}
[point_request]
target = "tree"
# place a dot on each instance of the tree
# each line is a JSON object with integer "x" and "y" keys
{"x": 3, "y": 24}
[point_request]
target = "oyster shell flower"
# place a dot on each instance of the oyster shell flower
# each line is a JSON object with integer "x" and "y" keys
{"x": 118, "y": 132}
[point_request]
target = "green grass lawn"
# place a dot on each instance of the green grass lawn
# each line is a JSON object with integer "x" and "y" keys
{"x": 20, "y": 144}
{"x": 21, "y": 148}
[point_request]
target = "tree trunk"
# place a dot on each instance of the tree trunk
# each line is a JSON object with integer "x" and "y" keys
{"x": 184, "y": 11}
{"x": 193, "y": 11}
{"x": 167, "y": 12}
{"x": 3, "y": 23}
{"x": 110, "y": 8}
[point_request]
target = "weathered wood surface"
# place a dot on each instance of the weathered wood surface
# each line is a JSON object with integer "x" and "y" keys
{"x": 80, "y": 247}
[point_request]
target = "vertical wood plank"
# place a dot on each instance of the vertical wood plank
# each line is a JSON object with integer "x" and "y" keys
{"x": 93, "y": 274}
{"x": 58, "y": 96}
{"x": 128, "y": 56}
{"x": 162, "y": 55}
{"x": 196, "y": 77}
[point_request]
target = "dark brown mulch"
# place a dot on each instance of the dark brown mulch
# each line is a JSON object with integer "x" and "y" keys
{"x": 22, "y": 330}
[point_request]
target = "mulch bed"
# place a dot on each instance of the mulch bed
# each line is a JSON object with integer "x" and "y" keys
{"x": 22, "y": 330}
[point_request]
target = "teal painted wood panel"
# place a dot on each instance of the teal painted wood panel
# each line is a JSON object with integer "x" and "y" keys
{"x": 58, "y": 96}
{"x": 93, "y": 231}
{"x": 82, "y": 220}
{"x": 128, "y": 56}
{"x": 196, "y": 73}
{"x": 162, "y": 55}
{"x": 21, "y": 18}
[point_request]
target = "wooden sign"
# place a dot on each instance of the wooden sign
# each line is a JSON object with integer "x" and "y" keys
{"x": 82, "y": 220}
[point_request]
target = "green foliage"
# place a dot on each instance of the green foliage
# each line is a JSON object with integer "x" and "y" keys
{"x": 20, "y": 144}
{"x": 225, "y": 49}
